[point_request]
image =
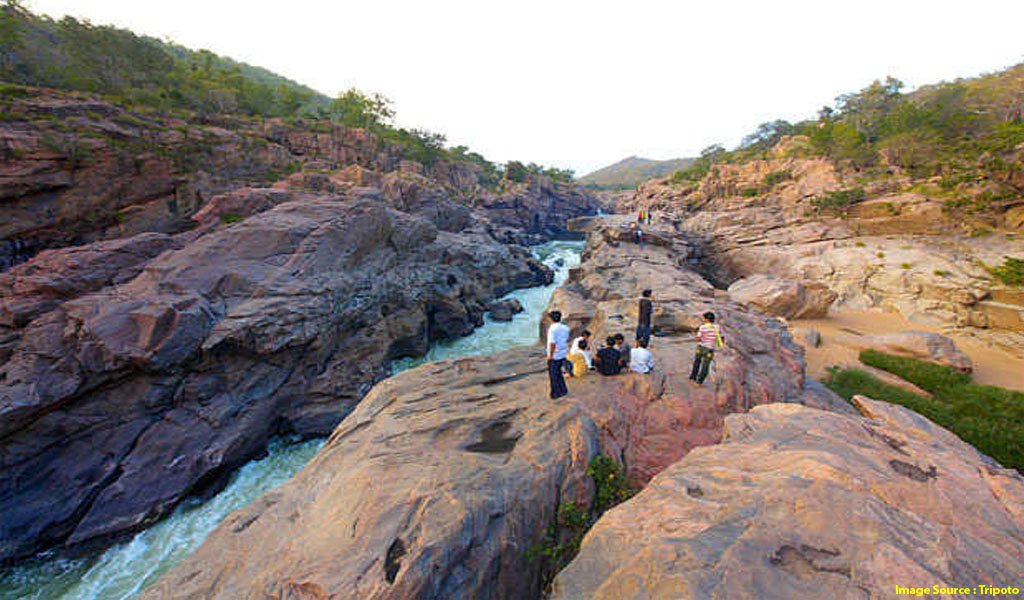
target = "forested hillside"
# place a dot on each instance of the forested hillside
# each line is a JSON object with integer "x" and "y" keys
{"x": 955, "y": 141}
{"x": 77, "y": 55}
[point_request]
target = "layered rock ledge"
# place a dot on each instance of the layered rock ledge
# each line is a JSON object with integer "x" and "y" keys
{"x": 803, "y": 503}
{"x": 135, "y": 372}
{"x": 444, "y": 476}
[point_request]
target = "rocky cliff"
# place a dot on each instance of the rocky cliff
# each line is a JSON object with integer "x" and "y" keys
{"x": 137, "y": 371}
{"x": 898, "y": 249}
{"x": 442, "y": 480}
{"x": 77, "y": 169}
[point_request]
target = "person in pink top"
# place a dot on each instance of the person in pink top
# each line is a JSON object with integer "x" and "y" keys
{"x": 709, "y": 337}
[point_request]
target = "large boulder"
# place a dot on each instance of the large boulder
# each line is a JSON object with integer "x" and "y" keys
{"x": 504, "y": 310}
{"x": 783, "y": 297}
{"x": 923, "y": 345}
{"x": 800, "y": 503}
{"x": 129, "y": 384}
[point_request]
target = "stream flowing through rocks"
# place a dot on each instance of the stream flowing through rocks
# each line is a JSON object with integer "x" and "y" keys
{"x": 124, "y": 570}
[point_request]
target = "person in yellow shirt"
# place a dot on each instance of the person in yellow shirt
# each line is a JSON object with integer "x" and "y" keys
{"x": 578, "y": 358}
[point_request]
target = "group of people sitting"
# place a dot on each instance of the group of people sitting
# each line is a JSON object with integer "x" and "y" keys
{"x": 615, "y": 357}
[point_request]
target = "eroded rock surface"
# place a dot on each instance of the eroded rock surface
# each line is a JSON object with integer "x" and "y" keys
{"x": 444, "y": 477}
{"x": 138, "y": 371}
{"x": 896, "y": 250}
{"x": 783, "y": 297}
{"x": 802, "y": 503}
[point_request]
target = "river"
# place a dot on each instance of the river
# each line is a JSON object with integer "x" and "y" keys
{"x": 124, "y": 570}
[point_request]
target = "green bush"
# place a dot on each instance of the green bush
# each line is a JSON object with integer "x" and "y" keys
{"x": 989, "y": 418}
{"x": 839, "y": 201}
{"x": 1011, "y": 272}
{"x": 776, "y": 177}
{"x": 562, "y": 539}
{"x": 610, "y": 483}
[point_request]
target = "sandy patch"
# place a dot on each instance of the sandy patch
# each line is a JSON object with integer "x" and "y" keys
{"x": 992, "y": 366}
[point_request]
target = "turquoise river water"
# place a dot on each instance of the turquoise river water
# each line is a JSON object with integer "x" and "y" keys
{"x": 124, "y": 570}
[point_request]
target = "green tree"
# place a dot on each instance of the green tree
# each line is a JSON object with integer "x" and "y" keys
{"x": 767, "y": 135}
{"x": 516, "y": 171}
{"x": 356, "y": 109}
{"x": 10, "y": 35}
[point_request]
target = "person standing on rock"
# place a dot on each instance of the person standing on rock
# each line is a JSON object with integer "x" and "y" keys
{"x": 643, "y": 326}
{"x": 558, "y": 348}
{"x": 709, "y": 337}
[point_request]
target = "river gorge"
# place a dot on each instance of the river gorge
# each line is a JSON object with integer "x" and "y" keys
{"x": 124, "y": 570}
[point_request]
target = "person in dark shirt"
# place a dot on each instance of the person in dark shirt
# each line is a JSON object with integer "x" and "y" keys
{"x": 609, "y": 360}
{"x": 643, "y": 327}
{"x": 624, "y": 349}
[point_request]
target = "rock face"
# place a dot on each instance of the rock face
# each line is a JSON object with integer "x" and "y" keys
{"x": 77, "y": 169}
{"x": 443, "y": 478}
{"x": 138, "y": 371}
{"x": 924, "y": 345}
{"x": 756, "y": 517}
{"x": 539, "y": 206}
{"x": 505, "y": 309}
{"x": 783, "y": 297}
{"x": 897, "y": 250}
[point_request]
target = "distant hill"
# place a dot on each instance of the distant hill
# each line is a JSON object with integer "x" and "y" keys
{"x": 629, "y": 172}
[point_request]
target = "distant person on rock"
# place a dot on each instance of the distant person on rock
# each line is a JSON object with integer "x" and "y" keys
{"x": 609, "y": 360}
{"x": 640, "y": 359}
{"x": 638, "y": 237}
{"x": 643, "y": 326}
{"x": 579, "y": 359}
{"x": 558, "y": 348}
{"x": 581, "y": 345}
{"x": 647, "y": 217}
{"x": 709, "y": 337}
{"x": 623, "y": 348}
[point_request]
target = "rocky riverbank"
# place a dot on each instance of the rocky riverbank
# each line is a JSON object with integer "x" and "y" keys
{"x": 897, "y": 250}
{"x": 444, "y": 477}
{"x": 138, "y": 371}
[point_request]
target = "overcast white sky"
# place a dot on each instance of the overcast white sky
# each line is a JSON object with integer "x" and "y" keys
{"x": 583, "y": 84}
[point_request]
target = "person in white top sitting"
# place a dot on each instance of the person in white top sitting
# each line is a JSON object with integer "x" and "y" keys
{"x": 558, "y": 349}
{"x": 640, "y": 358}
{"x": 575, "y": 348}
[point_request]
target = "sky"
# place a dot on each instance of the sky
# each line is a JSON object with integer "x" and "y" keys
{"x": 581, "y": 85}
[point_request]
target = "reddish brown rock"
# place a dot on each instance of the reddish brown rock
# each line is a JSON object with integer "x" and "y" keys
{"x": 801, "y": 503}
{"x": 783, "y": 297}
{"x": 140, "y": 381}
{"x": 443, "y": 478}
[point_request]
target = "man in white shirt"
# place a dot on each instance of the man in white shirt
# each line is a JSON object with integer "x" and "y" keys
{"x": 640, "y": 358}
{"x": 587, "y": 355}
{"x": 558, "y": 349}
